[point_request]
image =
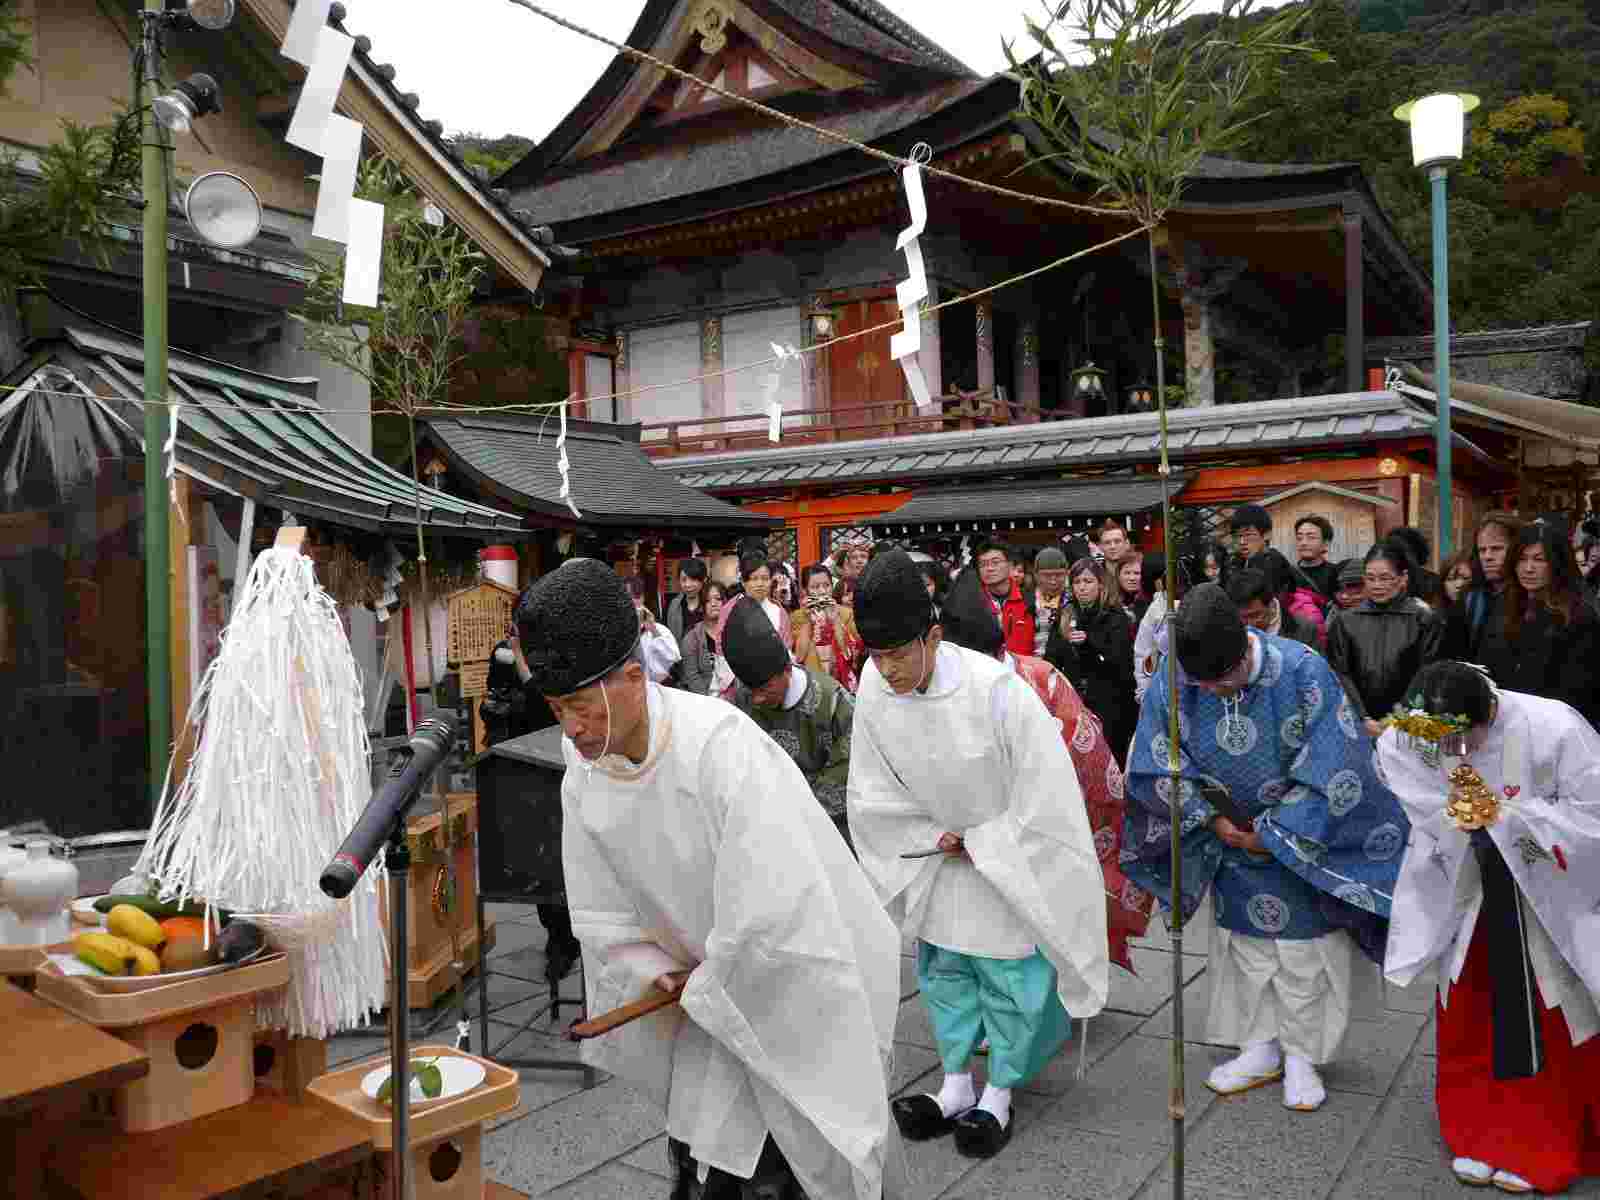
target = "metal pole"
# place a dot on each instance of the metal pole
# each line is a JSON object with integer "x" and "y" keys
{"x": 157, "y": 548}
{"x": 1441, "y": 358}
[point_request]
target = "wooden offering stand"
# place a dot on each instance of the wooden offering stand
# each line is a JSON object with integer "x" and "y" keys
{"x": 429, "y": 970}
{"x": 446, "y": 1137}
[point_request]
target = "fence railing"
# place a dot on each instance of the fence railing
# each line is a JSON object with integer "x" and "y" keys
{"x": 965, "y": 410}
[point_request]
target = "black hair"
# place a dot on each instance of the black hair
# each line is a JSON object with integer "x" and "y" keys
{"x": 1152, "y": 571}
{"x": 635, "y": 586}
{"x": 1249, "y": 585}
{"x": 1250, "y": 516}
{"x": 1392, "y": 553}
{"x": 1564, "y": 597}
{"x": 1224, "y": 560}
{"x": 815, "y": 569}
{"x": 988, "y": 544}
{"x": 935, "y": 574}
{"x": 749, "y": 564}
{"x": 1324, "y": 526}
{"x": 705, "y": 595}
{"x": 694, "y": 568}
{"x": 1447, "y": 689}
{"x": 1415, "y": 542}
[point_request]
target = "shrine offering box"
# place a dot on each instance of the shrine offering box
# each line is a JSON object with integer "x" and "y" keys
{"x": 434, "y": 907}
{"x": 446, "y": 1154}
{"x": 199, "y": 1035}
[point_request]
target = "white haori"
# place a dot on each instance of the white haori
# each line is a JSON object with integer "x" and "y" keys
{"x": 1542, "y": 759}
{"x": 713, "y": 855}
{"x": 1300, "y": 992}
{"x": 978, "y": 754}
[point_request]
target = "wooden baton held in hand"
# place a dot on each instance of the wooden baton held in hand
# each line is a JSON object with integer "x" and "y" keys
{"x": 654, "y": 1000}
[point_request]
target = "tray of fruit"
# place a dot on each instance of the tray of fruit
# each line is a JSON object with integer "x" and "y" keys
{"x": 168, "y": 996}
{"x": 137, "y": 951}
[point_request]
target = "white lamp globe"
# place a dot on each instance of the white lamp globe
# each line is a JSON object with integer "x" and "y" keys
{"x": 1438, "y": 126}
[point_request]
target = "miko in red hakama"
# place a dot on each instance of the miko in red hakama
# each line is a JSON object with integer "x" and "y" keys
{"x": 1545, "y": 1128}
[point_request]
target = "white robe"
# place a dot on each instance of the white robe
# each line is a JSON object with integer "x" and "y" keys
{"x": 1543, "y": 760}
{"x": 978, "y": 754}
{"x": 712, "y": 854}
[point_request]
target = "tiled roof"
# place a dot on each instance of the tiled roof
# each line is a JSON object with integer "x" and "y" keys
{"x": 1301, "y": 423}
{"x": 636, "y": 177}
{"x": 261, "y": 436}
{"x": 1018, "y": 501}
{"x": 513, "y": 457}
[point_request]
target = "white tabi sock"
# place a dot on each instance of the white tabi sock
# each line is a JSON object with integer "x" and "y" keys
{"x": 957, "y": 1095}
{"x": 997, "y": 1103}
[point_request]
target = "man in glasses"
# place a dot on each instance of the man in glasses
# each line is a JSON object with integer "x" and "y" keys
{"x": 1284, "y": 821}
{"x": 994, "y": 560}
{"x": 967, "y": 815}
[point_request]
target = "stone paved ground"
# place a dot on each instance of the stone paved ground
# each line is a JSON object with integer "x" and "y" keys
{"x": 1105, "y": 1137}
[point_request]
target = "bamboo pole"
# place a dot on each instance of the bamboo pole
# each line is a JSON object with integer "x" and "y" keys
{"x": 1175, "y": 1102}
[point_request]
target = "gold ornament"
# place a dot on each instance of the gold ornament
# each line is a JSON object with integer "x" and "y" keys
{"x": 1472, "y": 803}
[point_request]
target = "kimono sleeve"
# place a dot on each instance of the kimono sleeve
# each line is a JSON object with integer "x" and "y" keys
{"x": 886, "y": 821}
{"x": 793, "y": 984}
{"x": 1039, "y": 853}
{"x": 1337, "y": 826}
{"x": 840, "y": 723}
{"x": 1147, "y": 823}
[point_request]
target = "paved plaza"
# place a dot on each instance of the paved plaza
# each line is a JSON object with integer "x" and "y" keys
{"x": 1105, "y": 1137}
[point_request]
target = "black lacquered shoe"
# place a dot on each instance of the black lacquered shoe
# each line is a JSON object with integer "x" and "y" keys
{"x": 920, "y": 1118}
{"x": 979, "y": 1134}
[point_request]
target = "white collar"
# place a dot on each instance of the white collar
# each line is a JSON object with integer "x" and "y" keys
{"x": 798, "y": 682}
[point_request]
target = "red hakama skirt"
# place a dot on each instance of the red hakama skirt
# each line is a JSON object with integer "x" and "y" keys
{"x": 1546, "y": 1128}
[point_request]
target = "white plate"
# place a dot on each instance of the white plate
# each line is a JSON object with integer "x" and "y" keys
{"x": 140, "y": 983}
{"x": 458, "y": 1075}
{"x": 83, "y": 912}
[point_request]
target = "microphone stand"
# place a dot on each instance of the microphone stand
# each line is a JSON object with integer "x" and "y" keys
{"x": 397, "y": 860}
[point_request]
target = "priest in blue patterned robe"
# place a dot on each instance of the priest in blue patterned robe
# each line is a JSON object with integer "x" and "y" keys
{"x": 1286, "y": 824}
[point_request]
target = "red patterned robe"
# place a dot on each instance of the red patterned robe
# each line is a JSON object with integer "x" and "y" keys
{"x": 1127, "y": 905}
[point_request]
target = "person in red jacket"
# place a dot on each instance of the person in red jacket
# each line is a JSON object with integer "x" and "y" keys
{"x": 1010, "y": 605}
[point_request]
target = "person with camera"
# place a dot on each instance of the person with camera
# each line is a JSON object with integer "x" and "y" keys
{"x": 825, "y": 637}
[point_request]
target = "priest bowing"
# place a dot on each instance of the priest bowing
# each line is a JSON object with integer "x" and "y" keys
{"x": 697, "y": 862}
{"x": 966, "y": 813}
{"x": 804, "y": 711}
{"x": 1284, "y": 821}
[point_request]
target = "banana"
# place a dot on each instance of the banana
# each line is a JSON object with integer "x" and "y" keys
{"x": 138, "y": 926}
{"x": 111, "y": 954}
{"x": 145, "y": 961}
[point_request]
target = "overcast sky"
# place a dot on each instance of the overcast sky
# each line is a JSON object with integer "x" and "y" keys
{"x": 487, "y": 66}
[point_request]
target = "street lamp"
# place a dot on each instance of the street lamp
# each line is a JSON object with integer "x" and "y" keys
{"x": 1438, "y": 128}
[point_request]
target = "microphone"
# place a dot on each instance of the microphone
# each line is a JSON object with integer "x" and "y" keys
{"x": 428, "y": 746}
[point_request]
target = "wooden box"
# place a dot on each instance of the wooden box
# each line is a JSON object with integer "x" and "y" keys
{"x": 199, "y": 1036}
{"x": 200, "y": 1063}
{"x": 287, "y": 1064}
{"x": 432, "y": 908}
{"x": 446, "y": 1139}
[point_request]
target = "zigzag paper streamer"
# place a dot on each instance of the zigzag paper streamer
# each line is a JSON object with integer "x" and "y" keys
{"x": 910, "y": 292}
{"x": 774, "y": 378}
{"x": 317, "y": 129}
{"x": 171, "y": 451}
{"x": 562, "y": 463}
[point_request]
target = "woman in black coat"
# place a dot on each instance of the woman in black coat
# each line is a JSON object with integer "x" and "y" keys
{"x": 1547, "y": 640}
{"x": 1092, "y": 645}
{"x": 1377, "y": 646}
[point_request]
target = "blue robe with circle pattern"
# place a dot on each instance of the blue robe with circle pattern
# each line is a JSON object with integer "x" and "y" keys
{"x": 1293, "y": 755}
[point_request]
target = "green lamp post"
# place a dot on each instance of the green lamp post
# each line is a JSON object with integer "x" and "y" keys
{"x": 1438, "y": 131}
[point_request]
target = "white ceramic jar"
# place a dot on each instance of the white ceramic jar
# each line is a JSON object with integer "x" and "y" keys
{"x": 10, "y": 859}
{"x": 38, "y": 893}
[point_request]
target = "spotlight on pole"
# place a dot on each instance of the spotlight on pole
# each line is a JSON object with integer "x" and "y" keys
{"x": 197, "y": 96}
{"x": 212, "y": 15}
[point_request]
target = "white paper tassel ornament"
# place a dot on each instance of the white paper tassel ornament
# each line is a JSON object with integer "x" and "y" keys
{"x": 280, "y": 776}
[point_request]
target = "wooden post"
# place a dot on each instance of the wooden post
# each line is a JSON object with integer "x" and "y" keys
{"x": 186, "y": 527}
{"x": 1355, "y": 337}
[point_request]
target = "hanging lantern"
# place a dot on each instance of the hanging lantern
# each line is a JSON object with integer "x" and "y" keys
{"x": 1030, "y": 522}
{"x": 1088, "y": 382}
{"x": 1141, "y": 397}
